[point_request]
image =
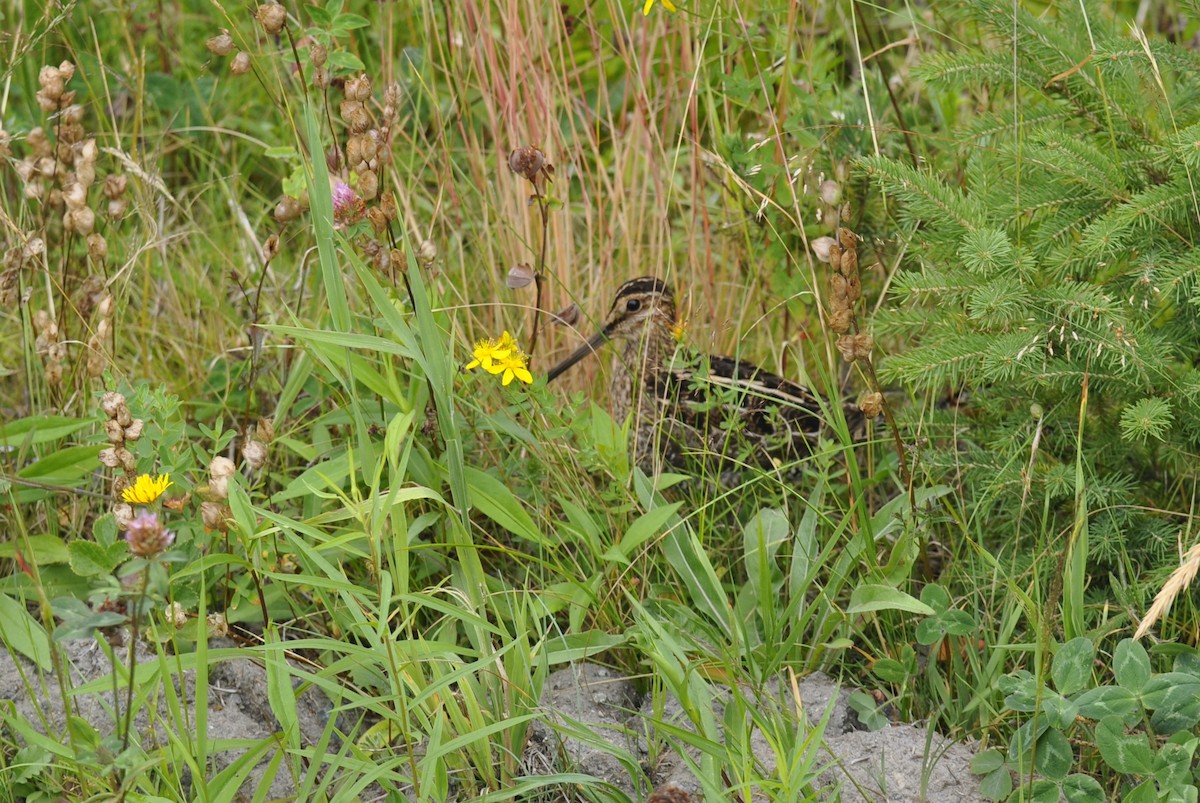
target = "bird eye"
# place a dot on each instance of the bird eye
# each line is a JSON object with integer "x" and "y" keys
{"x": 633, "y": 305}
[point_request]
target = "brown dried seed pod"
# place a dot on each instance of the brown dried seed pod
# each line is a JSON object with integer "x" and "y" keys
{"x": 240, "y": 64}
{"x": 527, "y": 161}
{"x": 272, "y": 17}
{"x": 872, "y": 404}
{"x": 519, "y": 276}
{"x": 221, "y": 44}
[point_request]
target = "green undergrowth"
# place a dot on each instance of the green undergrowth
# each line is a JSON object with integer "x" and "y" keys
{"x": 277, "y": 264}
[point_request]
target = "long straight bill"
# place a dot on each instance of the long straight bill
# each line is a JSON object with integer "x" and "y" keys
{"x": 593, "y": 343}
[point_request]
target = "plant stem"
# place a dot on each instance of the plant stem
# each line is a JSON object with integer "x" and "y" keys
{"x": 133, "y": 640}
{"x": 539, "y": 277}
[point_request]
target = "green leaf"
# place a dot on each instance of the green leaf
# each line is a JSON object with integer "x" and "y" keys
{"x": 889, "y": 670}
{"x": 349, "y": 22}
{"x": 874, "y": 597}
{"x": 1072, "y": 667}
{"x": 1173, "y": 765}
{"x": 1054, "y": 757}
{"x": 1079, "y": 788}
{"x": 1175, "y": 699}
{"x": 648, "y": 525}
{"x": 766, "y": 531}
{"x": 40, "y": 429}
{"x": 21, "y": 632}
{"x": 1127, "y": 754}
{"x": 1043, "y": 792}
{"x": 43, "y": 550}
{"x": 319, "y": 16}
{"x": 935, "y": 597}
{"x": 996, "y": 785}
{"x": 1145, "y": 792}
{"x": 89, "y": 559}
{"x": 496, "y": 501}
{"x": 1131, "y": 665}
{"x": 987, "y": 761}
{"x": 1104, "y": 701}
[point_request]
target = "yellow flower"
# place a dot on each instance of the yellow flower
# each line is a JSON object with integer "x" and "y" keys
{"x": 679, "y": 329}
{"x": 146, "y": 489}
{"x": 667, "y": 4}
{"x": 514, "y": 366}
{"x": 502, "y": 356}
{"x": 488, "y": 351}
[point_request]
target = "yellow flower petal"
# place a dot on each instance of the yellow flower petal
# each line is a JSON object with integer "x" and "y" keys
{"x": 669, "y": 6}
{"x": 146, "y": 489}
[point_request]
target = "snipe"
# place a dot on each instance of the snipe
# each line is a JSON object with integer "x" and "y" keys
{"x": 696, "y": 410}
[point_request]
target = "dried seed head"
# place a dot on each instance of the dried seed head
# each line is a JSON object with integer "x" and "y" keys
{"x": 218, "y": 627}
{"x": 287, "y": 209}
{"x": 427, "y": 253}
{"x": 855, "y": 347}
{"x": 240, "y": 64}
{"x": 831, "y": 192}
{"x": 270, "y": 248}
{"x": 254, "y": 453}
{"x": 176, "y": 614}
{"x": 317, "y": 54}
{"x": 527, "y": 162}
{"x": 221, "y": 468}
{"x": 358, "y": 88}
{"x": 264, "y": 430}
{"x": 112, "y": 403}
{"x": 387, "y": 204}
{"x": 821, "y": 247}
{"x": 97, "y": 247}
{"x": 133, "y": 431}
{"x": 214, "y": 515}
{"x": 568, "y": 316}
{"x": 872, "y": 404}
{"x": 377, "y": 219}
{"x": 221, "y": 44}
{"x": 272, "y": 17}
{"x": 122, "y": 512}
{"x": 368, "y": 185}
{"x": 519, "y": 276}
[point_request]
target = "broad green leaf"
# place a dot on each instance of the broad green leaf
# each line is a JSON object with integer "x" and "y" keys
{"x": 873, "y": 597}
{"x": 648, "y": 525}
{"x": 1072, "y": 667}
{"x": 23, "y": 633}
{"x": 1054, "y": 756}
{"x": 39, "y": 429}
{"x": 1126, "y": 754}
{"x": 496, "y": 501}
{"x": 89, "y": 559}
{"x": 996, "y": 785}
{"x": 1105, "y": 701}
{"x": 43, "y": 550}
{"x": 1131, "y": 665}
{"x": 1079, "y": 788}
{"x": 987, "y": 761}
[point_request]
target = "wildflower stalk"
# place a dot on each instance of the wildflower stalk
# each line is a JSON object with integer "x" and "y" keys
{"x": 134, "y": 627}
{"x": 539, "y": 277}
{"x": 856, "y": 346}
{"x": 531, "y": 164}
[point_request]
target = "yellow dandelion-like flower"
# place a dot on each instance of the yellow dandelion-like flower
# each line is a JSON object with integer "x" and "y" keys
{"x": 667, "y": 4}
{"x": 146, "y": 489}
